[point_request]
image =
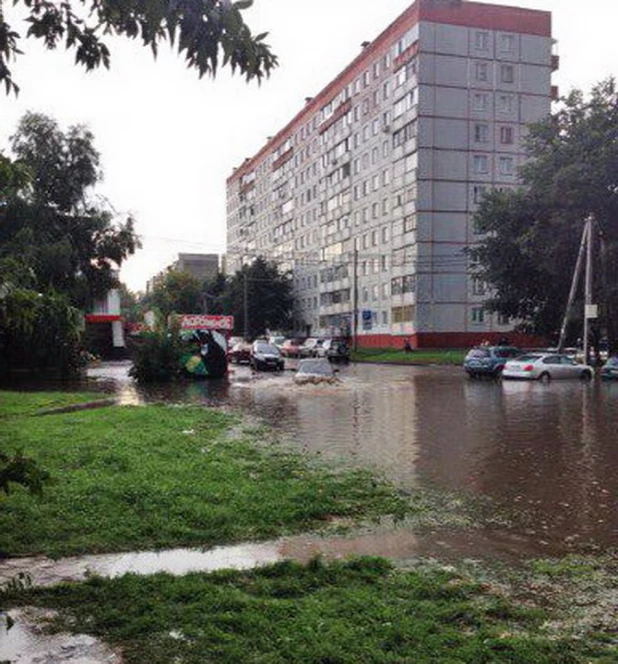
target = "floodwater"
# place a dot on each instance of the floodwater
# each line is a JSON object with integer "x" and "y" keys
{"x": 547, "y": 454}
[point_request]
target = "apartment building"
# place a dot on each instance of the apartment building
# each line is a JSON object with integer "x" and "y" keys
{"x": 368, "y": 193}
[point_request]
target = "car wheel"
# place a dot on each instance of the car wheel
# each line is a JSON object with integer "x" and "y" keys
{"x": 585, "y": 376}
{"x": 545, "y": 377}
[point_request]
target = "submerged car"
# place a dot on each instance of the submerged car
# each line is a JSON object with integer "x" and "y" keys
{"x": 546, "y": 367}
{"x": 609, "y": 371}
{"x": 265, "y": 356}
{"x": 488, "y": 360}
{"x": 291, "y": 347}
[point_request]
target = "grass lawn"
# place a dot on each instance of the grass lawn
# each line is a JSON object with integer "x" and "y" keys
{"x": 359, "y": 611}
{"x": 419, "y": 356}
{"x": 137, "y": 478}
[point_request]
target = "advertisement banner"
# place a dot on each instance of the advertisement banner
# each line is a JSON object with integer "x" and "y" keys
{"x": 206, "y": 322}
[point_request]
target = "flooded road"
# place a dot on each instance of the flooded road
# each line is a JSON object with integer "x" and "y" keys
{"x": 546, "y": 453}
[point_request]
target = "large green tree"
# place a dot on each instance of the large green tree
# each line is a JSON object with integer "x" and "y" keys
{"x": 262, "y": 291}
{"x": 175, "y": 291}
{"x": 532, "y": 235}
{"x": 207, "y": 33}
{"x": 52, "y": 229}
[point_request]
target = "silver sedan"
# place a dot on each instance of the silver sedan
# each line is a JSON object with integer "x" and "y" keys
{"x": 545, "y": 367}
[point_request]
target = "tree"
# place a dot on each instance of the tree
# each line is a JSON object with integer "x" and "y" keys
{"x": 208, "y": 33}
{"x": 50, "y": 225}
{"x": 532, "y": 236}
{"x": 214, "y": 293}
{"x": 175, "y": 291}
{"x": 264, "y": 292}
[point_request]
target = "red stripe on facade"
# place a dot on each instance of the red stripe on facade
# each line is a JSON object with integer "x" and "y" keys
{"x": 447, "y": 340}
{"x": 102, "y": 318}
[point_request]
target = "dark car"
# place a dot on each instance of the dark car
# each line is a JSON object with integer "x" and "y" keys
{"x": 240, "y": 353}
{"x": 488, "y": 360}
{"x": 266, "y": 356}
{"x": 609, "y": 371}
{"x": 337, "y": 351}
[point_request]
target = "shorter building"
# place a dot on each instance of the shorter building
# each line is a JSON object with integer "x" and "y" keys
{"x": 200, "y": 266}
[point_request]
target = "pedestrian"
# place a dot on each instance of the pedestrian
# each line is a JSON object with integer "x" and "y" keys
{"x": 406, "y": 346}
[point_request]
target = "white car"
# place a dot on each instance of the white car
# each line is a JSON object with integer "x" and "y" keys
{"x": 546, "y": 367}
{"x": 309, "y": 347}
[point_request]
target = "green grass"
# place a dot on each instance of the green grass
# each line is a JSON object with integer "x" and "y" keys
{"x": 129, "y": 478}
{"x": 419, "y": 356}
{"x": 15, "y": 404}
{"x": 359, "y": 611}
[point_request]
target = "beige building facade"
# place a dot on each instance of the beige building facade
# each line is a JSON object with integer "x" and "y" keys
{"x": 368, "y": 194}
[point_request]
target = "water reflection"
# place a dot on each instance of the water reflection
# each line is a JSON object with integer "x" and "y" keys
{"x": 547, "y": 453}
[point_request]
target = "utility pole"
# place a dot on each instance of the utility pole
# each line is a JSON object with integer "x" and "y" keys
{"x": 574, "y": 284}
{"x": 588, "y": 306}
{"x": 355, "y": 301}
{"x": 246, "y": 307}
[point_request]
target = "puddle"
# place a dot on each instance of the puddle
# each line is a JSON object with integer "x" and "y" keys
{"x": 26, "y": 642}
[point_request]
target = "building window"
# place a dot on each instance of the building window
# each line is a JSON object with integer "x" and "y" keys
{"x": 507, "y": 43}
{"x": 505, "y": 103}
{"x": 507, "y": 73}
{"x": 478, "y": 315}
{"x": 479, "y": 101}
{"x": 385, "y": 318}
{"x": 506, "y": 135}
{"x": 506, "y": 165}
{"x": 481, "y": 133}
{"x": 481, "y": 71}
{"x": 481, "y": 163}
{"x": 478, "y": 192}
{"x": 481, "y": 40}
{"x": 478, "y": 286}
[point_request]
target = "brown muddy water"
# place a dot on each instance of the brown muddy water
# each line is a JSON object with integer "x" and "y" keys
{"x": 547, "y": 454}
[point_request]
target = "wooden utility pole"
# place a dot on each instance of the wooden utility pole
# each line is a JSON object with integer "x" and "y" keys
{"x": 589, "y": 308}
{"x": 574, "y": 284}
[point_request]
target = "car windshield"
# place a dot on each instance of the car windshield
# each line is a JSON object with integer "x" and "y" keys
{"x": 612, "y": 362}
{"x": 478, "y": 352}
{"x": 507, "y": 352}
{"x": 267, "y": 348}
{"x": 528, "y": 358}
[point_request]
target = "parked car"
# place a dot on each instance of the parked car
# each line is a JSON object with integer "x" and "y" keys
{"x": 336, "y": 350}
{"x": 488, "y": 360}
{"x": 291, "y": 348}
{"x": 546, "y": 367}
{"x": 240, "y": 353}
{"x": 609, "y": 371}
{"x": 265, "y": 356}
{"x": 310, "y": 346}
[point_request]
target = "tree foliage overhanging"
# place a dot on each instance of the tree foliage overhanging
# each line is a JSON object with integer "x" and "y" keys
{"x": 53, "y": 235}
{"x": 532, "y": 235}
{"x": 207, "y": 33}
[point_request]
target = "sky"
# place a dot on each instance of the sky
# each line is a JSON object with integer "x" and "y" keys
{"x": 169, "y": 140}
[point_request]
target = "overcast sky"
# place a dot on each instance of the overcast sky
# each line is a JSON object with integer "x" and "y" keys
{"x": 168, "y": 140}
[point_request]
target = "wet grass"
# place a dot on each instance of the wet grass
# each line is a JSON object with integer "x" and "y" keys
{"x": 17, "y": 404}
{"x": 359, "y": 611}
{"x": 154, "y": 477}
{"x": 419, "y": 356}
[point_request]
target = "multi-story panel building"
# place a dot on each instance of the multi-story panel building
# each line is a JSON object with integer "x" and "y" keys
{"x": 368, "y": 194}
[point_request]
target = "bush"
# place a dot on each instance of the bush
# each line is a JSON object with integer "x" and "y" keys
{"x": 156, "y": 355}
